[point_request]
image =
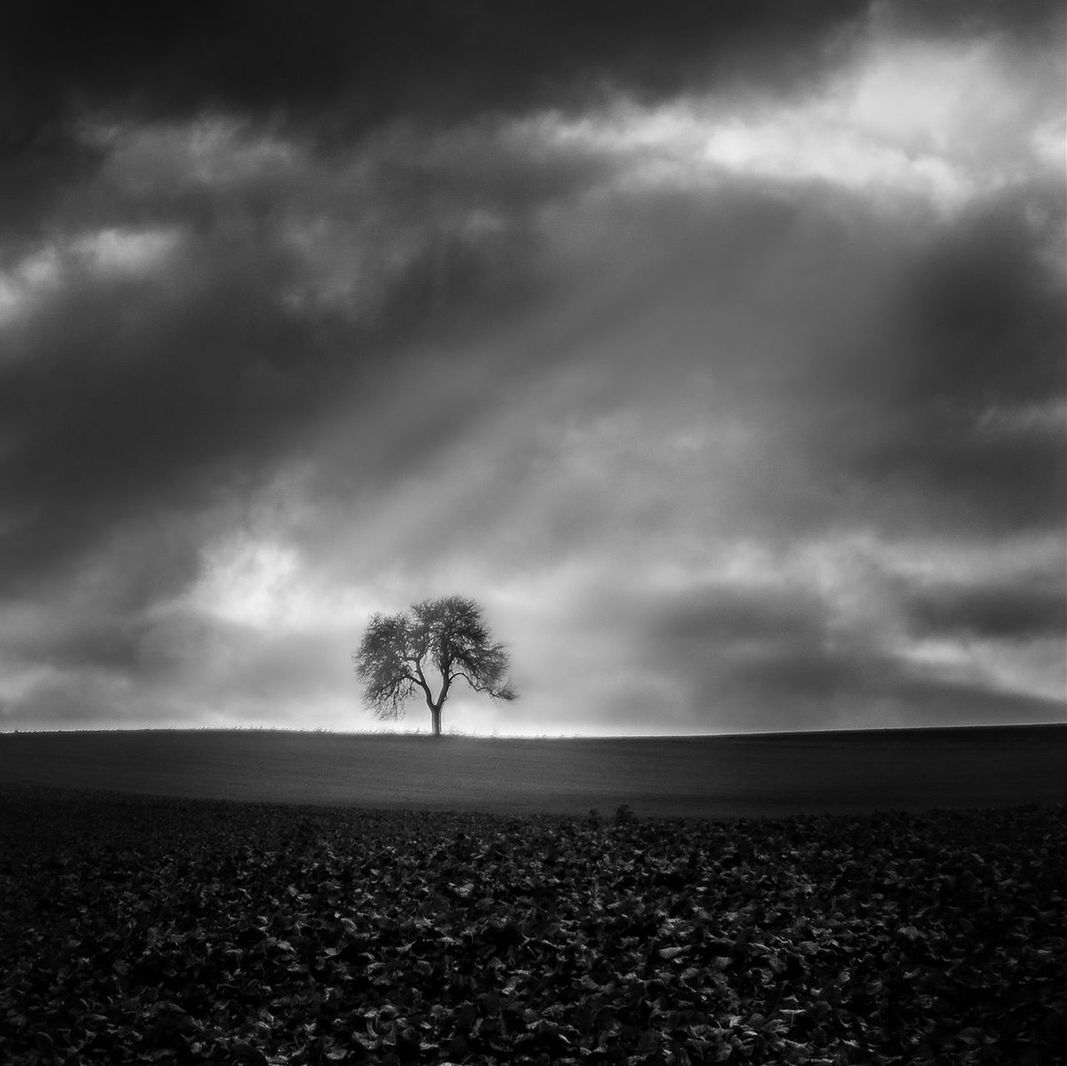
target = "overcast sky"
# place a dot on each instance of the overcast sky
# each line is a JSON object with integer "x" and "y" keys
{"x": 716, "y": 349}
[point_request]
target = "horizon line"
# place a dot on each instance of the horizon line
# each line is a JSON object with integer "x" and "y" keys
{"x": 417, "y": 734}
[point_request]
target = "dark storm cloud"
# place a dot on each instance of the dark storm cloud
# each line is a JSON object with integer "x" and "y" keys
{"x": 381, "y": 59}
{"x": 334, "y": 71}
{"x": 187, "y": 404}
{"x": 941, "y": 408}
{"x": 1029, "y": 21}
{"x": 168, "y": 388}
{"x": 744, "y": 616}
{"x": 125, "y": 399}
{"x": 823, "y": 690}
{"x": 757, "y": 651}
{"x": 1016, "y": 611}
{"x": 984, "y": 312}
{"x": 312, "y": 311}
{"x": 156, "y": 374}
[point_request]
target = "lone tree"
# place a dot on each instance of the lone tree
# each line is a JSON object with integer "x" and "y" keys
{"x": 434, "y": 643}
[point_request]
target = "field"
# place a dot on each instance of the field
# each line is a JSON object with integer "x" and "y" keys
{"x": 771, "y": 775}
{"x": 516, "y": 927}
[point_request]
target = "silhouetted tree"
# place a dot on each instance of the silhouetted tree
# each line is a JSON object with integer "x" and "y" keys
{"x": 433, "y": 644}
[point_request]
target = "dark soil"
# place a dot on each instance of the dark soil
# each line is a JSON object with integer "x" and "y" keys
{"x": 179, "y": 931}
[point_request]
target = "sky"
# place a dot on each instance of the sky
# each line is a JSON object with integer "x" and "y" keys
{"x": 717, "y": 350}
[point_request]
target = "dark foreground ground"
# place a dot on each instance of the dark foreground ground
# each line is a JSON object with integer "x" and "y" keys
{"x": 769, "y": 775}
{"x": 136, "y": 929}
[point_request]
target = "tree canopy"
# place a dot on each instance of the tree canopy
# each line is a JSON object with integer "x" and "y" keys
{"x": 428, "y": 647}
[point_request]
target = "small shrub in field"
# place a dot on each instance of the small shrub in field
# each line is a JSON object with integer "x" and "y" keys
{"x": 624, "y": 815}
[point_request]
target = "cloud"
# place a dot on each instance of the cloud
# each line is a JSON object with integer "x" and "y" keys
{"x": 685, "y": 352}
{"x": 410, "y": 56}
{"x": 832, "y": 634}
{"x": 1035, "y": 606}
{"x": 342, "y": 71}
{"x": 944, "y": 121}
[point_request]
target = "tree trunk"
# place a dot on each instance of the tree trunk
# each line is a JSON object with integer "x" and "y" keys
{"x": 435, "y": 714}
